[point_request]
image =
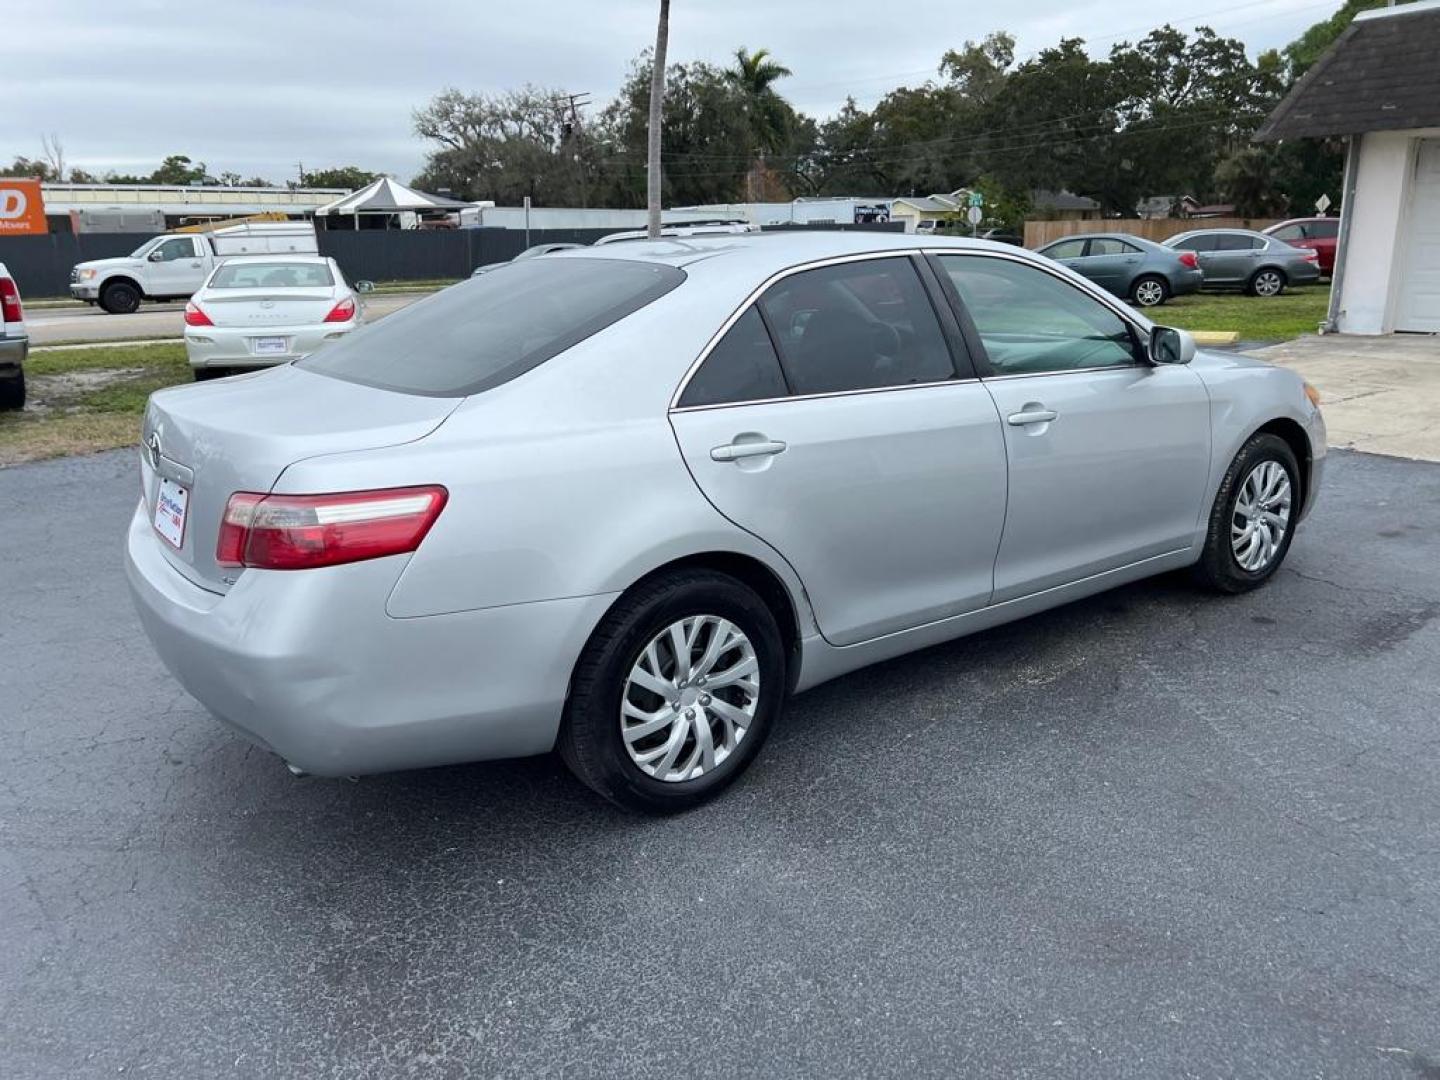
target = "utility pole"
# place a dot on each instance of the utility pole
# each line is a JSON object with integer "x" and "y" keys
{"x": 300, "y": 166}
{"x": 657, "y": 101}
{"x": 576, "y": 102}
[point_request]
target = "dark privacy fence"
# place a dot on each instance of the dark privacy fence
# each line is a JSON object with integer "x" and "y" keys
{"x": 41, "y": 264}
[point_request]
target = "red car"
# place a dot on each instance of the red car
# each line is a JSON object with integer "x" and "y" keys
{"x": 1317, "y": 233}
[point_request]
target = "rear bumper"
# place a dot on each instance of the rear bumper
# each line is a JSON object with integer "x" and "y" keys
{"x": 13, "y": 351}
{"x": 308, "y": 665}
{"x": 1304, "y": 273}
{"x": 1186, "y": 282}
{"x": 209, "y": 346}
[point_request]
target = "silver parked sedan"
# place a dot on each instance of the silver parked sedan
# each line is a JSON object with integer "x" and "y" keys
{"x": 624, "y": 501}
{"x": 1241, "y": 259}
{"x": 260, "y": 311}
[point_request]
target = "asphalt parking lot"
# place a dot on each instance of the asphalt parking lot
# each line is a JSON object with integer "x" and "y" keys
{"x": 1151, "y": 834}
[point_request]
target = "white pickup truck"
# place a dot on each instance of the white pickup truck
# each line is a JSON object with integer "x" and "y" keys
{"x": 173, "y": 266}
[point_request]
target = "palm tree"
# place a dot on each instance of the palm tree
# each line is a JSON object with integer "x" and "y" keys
{"x": 767, "y": 114}
{"x": 657, "y": 99}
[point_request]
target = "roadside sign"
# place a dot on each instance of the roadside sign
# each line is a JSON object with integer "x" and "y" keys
{"x": 976, "y": 199}
{"x": 975, "y": 214}
{"x": 1322, "y": 204}
{"x": 22, "y": 207}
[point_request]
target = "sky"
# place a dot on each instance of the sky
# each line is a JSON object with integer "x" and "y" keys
{"x": 259, "y": 86}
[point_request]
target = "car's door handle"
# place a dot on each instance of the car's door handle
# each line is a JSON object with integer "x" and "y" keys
{"x": 736, "y": 450}
{"x": 1031, "y": 416}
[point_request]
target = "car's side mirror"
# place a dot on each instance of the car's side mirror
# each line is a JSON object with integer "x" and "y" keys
{"x": 364, "y": 286}
{"x": 1171, "y": 346}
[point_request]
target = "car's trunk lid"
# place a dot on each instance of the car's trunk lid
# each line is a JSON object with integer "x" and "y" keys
{"x": 268, "y": 307}
{"x": 239, "y": 434}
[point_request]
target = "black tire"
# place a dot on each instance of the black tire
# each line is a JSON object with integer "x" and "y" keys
{"x": 590, "y": 740}
{"x": 120, "y": 298}
{"x": 1143, "y": 291}
{"x": 1219, "y": 568}
{"x": 12, "y": 392}
{"x": 1259, "y": 283}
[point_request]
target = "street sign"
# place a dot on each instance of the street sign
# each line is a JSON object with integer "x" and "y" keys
{"x": 975, "y": 214}
{"x": 1322, "y": 204}
{"x": 976, "y": 199}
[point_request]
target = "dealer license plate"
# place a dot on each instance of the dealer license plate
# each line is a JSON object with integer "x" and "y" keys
{"x": 170, "y": 504}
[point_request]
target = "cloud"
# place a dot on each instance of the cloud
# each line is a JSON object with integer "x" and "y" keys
{"x": 260, "y": 86}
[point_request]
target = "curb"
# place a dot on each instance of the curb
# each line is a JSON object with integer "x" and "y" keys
{"x": 1215, "y": 337}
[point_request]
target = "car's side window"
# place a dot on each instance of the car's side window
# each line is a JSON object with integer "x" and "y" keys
{"x": 1031, "y": 323}
{"x": 856, "y": 326}
{"x": 1289, "y": 233}
{"x": 742, "y": 367}
{"x": 1066, "y": 249}
{"x": 1328, "y": 229}
{"x": 177, "y": 247}
{"x": 1109, "y": 246}
{"x": 1201, "y": 242}
{"x": 1238, "y": 242}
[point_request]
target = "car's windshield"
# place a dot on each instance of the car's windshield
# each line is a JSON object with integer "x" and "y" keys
{"x": 271, "y": 275}
{"x": 144, "y": 249}
{"x": 489, "y": 329}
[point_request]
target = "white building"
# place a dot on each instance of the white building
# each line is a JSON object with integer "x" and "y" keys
{"x": 180, "y": 204}
{"x": 1379, "y": 87}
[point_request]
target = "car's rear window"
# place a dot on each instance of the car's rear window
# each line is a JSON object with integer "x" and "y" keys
{"x": 257, "y": 275}
{"x": 490, "y": 329}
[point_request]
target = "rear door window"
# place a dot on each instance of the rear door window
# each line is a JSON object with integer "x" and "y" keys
{"x": 488, "y": 330}
{"x": 1199, "y": 242}
{"x": 856, "y": 326}
{"x": 1238, "y": 242}
{"x": 1111, "y": 246}
{"x": 742, "y": 367}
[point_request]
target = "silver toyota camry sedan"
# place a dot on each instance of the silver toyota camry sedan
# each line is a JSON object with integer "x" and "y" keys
{"x": 624, "y": 501}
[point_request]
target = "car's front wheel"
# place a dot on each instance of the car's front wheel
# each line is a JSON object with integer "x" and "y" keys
{"x": 1149, "y": 291}
{"x": 675, "y": 692}
{"x": 1253, "y": 520}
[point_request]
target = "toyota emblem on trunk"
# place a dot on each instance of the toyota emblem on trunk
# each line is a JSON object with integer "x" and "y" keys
{"x": 152, "y": 449}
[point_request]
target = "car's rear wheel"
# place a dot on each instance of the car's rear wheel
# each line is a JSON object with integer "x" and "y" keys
{"x": 1267, "y": 282}
{"x": 1149, "y": 291}
{"x": 675, "y": 692}
{"x": 1253, "y": 520}
{"x": 120, "y": 298}
{"x": 12, "y": 391}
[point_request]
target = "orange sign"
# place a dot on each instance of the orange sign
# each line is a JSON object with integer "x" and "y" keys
{"x": 22, "y": 208}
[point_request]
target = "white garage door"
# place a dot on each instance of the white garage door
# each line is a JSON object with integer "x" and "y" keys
{"x": 1418, "y": 306}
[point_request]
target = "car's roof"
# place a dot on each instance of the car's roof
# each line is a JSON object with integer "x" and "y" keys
{"x": 760, "y": 255}
{"x": 1128, "y": 237}
{"x": 1219, "y": 232}
{"x": 261, "y": 256}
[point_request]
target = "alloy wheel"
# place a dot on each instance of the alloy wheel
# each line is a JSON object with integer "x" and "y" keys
{"x": 690, "y": 698}
{"x": 1149, "y": 293}
{"x": 1269, "y": 283}
{"x": 1261, "y": 516}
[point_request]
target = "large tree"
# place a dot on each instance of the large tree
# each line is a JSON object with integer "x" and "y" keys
{"x": 504, "y": 147}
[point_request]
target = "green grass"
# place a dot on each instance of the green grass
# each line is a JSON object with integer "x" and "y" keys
{"x": 1254, "y": 318}
{"x": 84, "y": 400}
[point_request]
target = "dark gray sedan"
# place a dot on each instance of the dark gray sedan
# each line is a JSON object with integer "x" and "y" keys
{"x": 1241, "y": 259}
{"x": 1140, "y": 270}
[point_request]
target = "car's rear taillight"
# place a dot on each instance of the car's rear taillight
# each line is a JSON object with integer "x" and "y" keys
{"x": 10, "y": 309}
{"x": 344, "y": 311}
{"x": 1190, "y": 260}
{"x": 194, "y": 316}
{"x": 301, "y": 532}
{"x": 1311, "y": 255}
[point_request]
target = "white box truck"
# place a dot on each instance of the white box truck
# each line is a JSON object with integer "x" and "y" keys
{"x": 172, "y": 266}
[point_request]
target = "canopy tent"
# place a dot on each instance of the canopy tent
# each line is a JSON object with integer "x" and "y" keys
{"x": 386, "y": 196}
